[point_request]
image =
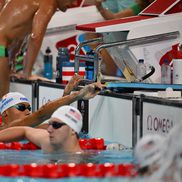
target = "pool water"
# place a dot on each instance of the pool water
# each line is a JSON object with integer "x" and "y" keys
{"x": 73, "y": 179}
{"x": 92, "y": 156}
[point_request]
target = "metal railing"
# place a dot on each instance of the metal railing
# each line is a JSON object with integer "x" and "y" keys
{"x": 132, "y": 42}
{"x": 79, "y": 57}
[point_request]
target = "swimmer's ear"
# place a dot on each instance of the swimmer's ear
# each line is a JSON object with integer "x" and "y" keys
{"x": 4, "y": 114}
{"x": 73, "y": 132}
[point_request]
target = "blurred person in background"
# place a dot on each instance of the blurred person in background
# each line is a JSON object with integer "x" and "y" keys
{"x": 171, "y": 168}
{"x": 148, "y": 152}
{"x": 109, "y": 11}
{"x": 131, "y": 10}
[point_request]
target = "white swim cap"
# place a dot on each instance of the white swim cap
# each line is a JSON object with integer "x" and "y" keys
{"x": 149, "y": 150}
{"x": 11, "y": 99}
{"x": 69, "y": 115}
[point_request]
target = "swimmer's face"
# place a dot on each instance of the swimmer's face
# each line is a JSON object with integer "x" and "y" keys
{"x": 18, "y": 111}
{"x": 63, "y": 5}
{"x": 58, "y": 131}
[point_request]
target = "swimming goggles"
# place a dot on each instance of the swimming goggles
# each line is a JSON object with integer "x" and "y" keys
{"x": 56, "y": 124}
{"x": 22, "y": 107}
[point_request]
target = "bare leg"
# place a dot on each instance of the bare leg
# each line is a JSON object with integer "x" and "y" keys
{"x": 4, "y": 76}
{"x": 108, "y": 65}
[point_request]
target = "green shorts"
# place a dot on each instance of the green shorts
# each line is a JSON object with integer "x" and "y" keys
{"x": 3, "y": 51}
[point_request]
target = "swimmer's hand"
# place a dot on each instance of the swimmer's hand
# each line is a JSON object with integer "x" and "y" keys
{"x": 91, "y": 90}
{"x": 72, "y": 84}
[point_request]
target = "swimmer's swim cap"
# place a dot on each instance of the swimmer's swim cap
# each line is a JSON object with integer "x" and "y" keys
{"x": 71, "y": 116}
{"x": 149, "y": 150}
{"x": 11, "y": 99}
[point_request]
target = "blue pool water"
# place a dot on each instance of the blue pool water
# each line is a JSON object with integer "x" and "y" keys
{"x": 92, "y": 156}
{"x": 73, "y": 179}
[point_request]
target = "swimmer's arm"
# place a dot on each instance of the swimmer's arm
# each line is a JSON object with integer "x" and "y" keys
{"x": 36, "y": 136}
{"x": 39, "y": 25}
{"x": 12, "y": 134}
{"x": 106, "y": 14}
{"x": 46, "y": 110}
{"x": 124, "y": 13}
{"x": 21, "y": 133}
{"x": 109, "y": 15}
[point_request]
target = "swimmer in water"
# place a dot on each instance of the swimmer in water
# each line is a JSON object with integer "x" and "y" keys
{"x": 148, "y": 153}
{"x": 61, "y": 135}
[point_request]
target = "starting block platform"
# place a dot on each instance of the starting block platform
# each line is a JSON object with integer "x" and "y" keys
{"x": 139, "y": 86}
